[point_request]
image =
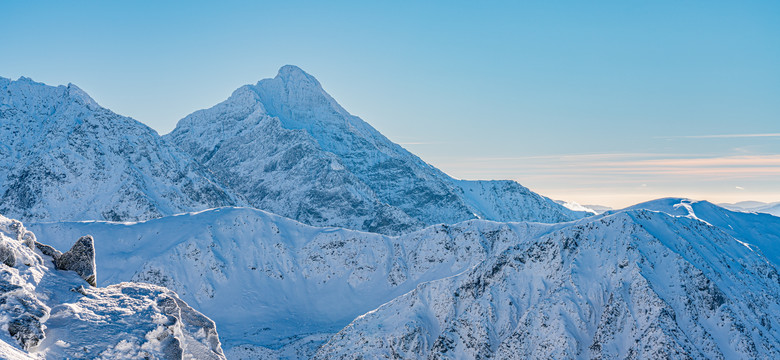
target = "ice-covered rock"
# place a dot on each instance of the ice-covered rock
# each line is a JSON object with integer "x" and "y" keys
{"x": 81, "y": 259}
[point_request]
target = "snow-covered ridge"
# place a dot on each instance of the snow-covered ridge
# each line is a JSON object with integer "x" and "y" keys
{"x": 635, "y": 284}
{"x": 290, "y": 148}
{"x": 757, "y": 229}
{"x": 227, "y": 262}
{"x": 755, "y": 206}
{"x": 63, "y": 157}
{"x": 273, "y": 283}
{"x": 49, "y": 312}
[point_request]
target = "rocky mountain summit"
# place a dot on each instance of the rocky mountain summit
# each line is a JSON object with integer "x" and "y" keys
{"x": 288, "y": 147}
{"x": 64, "y": 157}
{"x": 47, "y": 312}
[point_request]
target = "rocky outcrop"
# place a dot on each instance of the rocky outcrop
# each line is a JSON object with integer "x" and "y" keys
{"x": 81, "y": 259}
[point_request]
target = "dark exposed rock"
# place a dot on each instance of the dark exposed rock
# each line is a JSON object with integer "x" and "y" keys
{"x": 26, "y": 329}
{"x": 7, "y": 256}
{"x": 48, "y": 250}
{"x": 81, "y": 259}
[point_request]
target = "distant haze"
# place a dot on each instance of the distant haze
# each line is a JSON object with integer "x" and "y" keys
{"x": 610, "y": 104}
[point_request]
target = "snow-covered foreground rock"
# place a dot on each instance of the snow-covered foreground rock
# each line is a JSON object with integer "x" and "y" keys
{"x": 632, "y": 283}
{"x": 46, "y": 313}
{"x": 64, "y": 157}
{"x": 288, "y": 147}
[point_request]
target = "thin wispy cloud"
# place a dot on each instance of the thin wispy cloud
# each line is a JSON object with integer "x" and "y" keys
{"x": 634, "y": 174}
{"x": 722, "y": 136}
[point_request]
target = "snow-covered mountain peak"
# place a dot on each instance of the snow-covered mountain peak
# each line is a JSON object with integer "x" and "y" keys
{"x": 65, "y": 157}
{"x": 290, "y": 148}
{"x": 27, "y": 89}
{"x": 679, "y": 206}
{"x": 300, "y": 102}
{"x": 77, "y": 93}
{"x": 294, "y": 76}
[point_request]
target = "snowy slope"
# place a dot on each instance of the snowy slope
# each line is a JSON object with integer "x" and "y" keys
{"x": 47, "y": 313}
{"x": 267, "y": 280}
{"x": 291, "y": 149}
{"x": 278, "y": 288}
{"x": 761, "y": 230}
{"x": 63, "y": 157}
{"x": 636, "y": 285}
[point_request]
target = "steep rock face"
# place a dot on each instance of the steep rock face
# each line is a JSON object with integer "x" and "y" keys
{"x": 48, "y": 314}
{"x": 63, "y": 157}
{"x": 631, "y": 285}
{"x": 289, "y": 148}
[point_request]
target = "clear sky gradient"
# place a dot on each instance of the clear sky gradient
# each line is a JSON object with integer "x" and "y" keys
{"x": 608, "y": 102}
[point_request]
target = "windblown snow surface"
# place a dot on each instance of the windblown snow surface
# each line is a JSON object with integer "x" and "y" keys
{"x": 288, "y": 147}
{"x": 634, "y": 283}
{"x": 47, "y": 313}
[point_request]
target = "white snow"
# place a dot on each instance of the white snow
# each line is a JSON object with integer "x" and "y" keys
{"x": 269, "y": 282}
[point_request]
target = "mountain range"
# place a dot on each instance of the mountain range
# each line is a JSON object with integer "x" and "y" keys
{"x": 296, "y": 230}
{"x": 755, "y": 206}
{"x": 282, "y": 145}
{"x": 63, "y": 157}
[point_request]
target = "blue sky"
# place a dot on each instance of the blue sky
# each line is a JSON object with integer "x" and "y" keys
{"x": 595, "y": 102}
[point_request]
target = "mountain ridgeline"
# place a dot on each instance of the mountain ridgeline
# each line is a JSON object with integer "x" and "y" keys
{"x": 282, "y": 145}
{"x": 683, "y": 280}
{"x": 64, "y": 157}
